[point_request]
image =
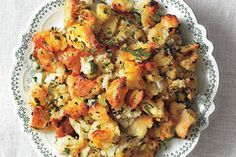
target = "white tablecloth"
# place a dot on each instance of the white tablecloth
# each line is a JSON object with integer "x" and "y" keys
{"x": 218, "y": 16}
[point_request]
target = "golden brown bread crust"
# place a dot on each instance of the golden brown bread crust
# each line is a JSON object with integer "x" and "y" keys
{"x": 72, "y": 9}
{"x": 123, "y": 6}
{"x": 75, "y": 109}
{"x": 62, "y": 127}
{"x": 116, "y": 93}
{"x": 40, "y": 117}
{"x": 115, "y": 81}
{"x": 134, "y": 98}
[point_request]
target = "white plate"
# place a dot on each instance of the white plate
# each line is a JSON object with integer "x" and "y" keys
{"x": 51, "y": 14}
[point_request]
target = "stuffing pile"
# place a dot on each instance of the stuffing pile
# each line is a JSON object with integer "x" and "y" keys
{"x": 115, "y": 81}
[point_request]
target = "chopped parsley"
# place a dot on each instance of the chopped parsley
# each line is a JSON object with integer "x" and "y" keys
{"x": 157, "y": 17}
{"x": 75, "y": 40}
{"x": 57, "y": 37}
{"x": 138, "y": 53}
{"x": 109, "y": 53}
{"x": 37, "y": 101}
{"x": 111, "y": 41}
{"x": 102, "y": 101}
{"x": 35, "y": 79}
{"x": 45, "y": 43}
{"x": 124, "y": 150}
{"x": 137, "y": 17}
{"x": 38, "y": 67}
{"x": 93, "y": 67}
{"x": 106, "y": 62}
{"x": 105, "y": 11}
{"x": 109, "y": 32}
{"x": 67, "y": 151}
{"x": 154, "y": 39}
{"x": 91, "y": 102}
{"x": 99, "y": 127}
{"x": 31, "y": 57}
{"x": 187, "y": 102}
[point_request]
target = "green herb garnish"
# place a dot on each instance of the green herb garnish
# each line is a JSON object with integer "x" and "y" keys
{"x": 44, "y": 43}
{"x": 93, "y": 67}
{"x": 57, "y": 37}
{"x": 187, "y": 102}
{"x": 67, "y": 151}
{"x": 37, "y": 101}
{"x": 148, "y": 108}
{"x": 124, "y": 150}
{"x": 137, "y": 17}
{"x": 157, "y": 17}
{"x": 105, "y": 11}
{"x": 99, "y": 127}
{"x": 109, "y": 32}
{"x": 38, "y": 67}
{"x": 35, "y": 79}
{"x": 31, "y": 57}
{"x": 109, "y": 53}
{"x": 75, "y": 40}
{"x": 154, "y": 39}
{"x": 111, "y": 41}
{"x": 138, "y": 53}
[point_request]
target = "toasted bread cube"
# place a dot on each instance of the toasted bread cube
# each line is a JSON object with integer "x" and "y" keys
{"x": 109, "y": 27}
{"x": 149, "y": 13}
{"x": 71, "y": 59}
{"x": 98, "y": 113}
{"x": 103, "y": 12}
{"x": 102, "y": 134}
{"x": 39, "y": 96}
{"x": 187, "y": 118}
{"x": 76, "y": 108}
{"x": 188, "y": 56}
{"x": 46, "y": 60}
{"x": 189, "y": 63}
{"x": 163, "y": 59}
{"x": 154, "y": 109}
{"x": 123, "y": 5}
{"x": 140, "y": 126}
{"x": 79, "y": 86}
{"x": 68, "y": 145}
{"x": 116, "y": 93}
{"x": 176, "y": 109}
{"x": 133, "y": 73}
{"x": 51, "y": 40}
{"x": 40, "y": 117}
{"x": 72, "y": 9}
{"x": 159, "y": 34}
{"x": 82, "y": 37}
{"x": 165, "y": 130}
{"x": 62, "y": 126}
{"x": 134, "y": 98}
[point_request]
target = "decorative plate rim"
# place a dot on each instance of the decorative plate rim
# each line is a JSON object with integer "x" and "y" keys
{"x": 25, "y": 38}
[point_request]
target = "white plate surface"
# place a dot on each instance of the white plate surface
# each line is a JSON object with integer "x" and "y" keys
{"x": 51, "y": 14}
